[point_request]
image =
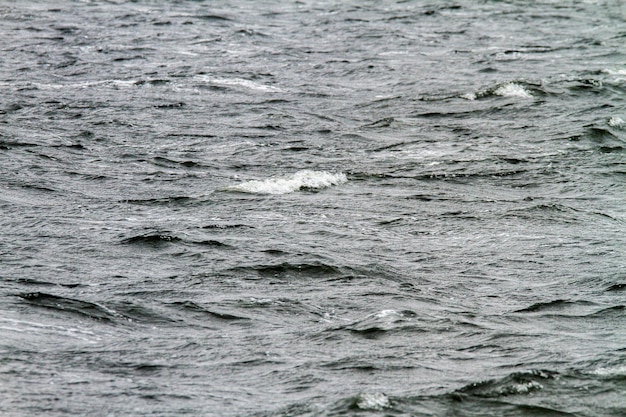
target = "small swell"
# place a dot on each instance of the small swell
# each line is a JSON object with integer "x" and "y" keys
{"x": 170, "y": 163}
{"x": 169, "y": 105}
{"x": 142, "y": 314}
{"x": 551, "y": 306}
{"x": 151, "y": 240}
{"x": 160, "y": 240}
{"x": 600, "y": 135}
{"x": 190, "y": 306}
{"x": 218, "y": 227}
{"x": 601, "y": 139}
{"x": 213, "y": 17}
{"x": 36, "y": 282}
{"x": 518, "y": 383}
{"x": 609, "y": 312}
{"x": 287, "y": 270}
{"x": 382, "y": 323}
{"x": 616, "y": 287}
{"x": 212, "y": 243}
{"x": 6, "y": 145}
{"x": 385, "y": 122}
{"x": 549, "y": 211}
{"x": 68, "y": 305}
{"x": 152, "y": 82}
{"x": 178, "y": 200}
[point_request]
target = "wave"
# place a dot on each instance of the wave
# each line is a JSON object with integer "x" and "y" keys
{"x": 159, "y": 240}
{"x": 284, "y": 270}
{"x": 614, "y": 71}
{"x": 115, "y": 83}
{"x": 37, "y": 282}
{"x": 218, "y": 226}
{"x": 509, "y": 89}
{"x": 375, "y": 401}
{"x": 617, "y": 371}
{"x": 174, "y": 200}
{"x": 554, "y": 305}
{"x": 617, "y": 122}
{"x": 553, "y": 212}
{"x": 512, "y": 90}
{"x": 601, "y": 139}
{"x": 151, "y": 240}
{"x": 301, "y": 180}
{"x": 384, "y": 322}
{"x": 195, "y": 308}
{"x": 240, "y": 82}
{"x": 69, "y": 305}
{"x": 511, "y": 395}
{"x": 518, "y": 383}
{"x": 6, "y": 145}
{"x": 120, "y": 312}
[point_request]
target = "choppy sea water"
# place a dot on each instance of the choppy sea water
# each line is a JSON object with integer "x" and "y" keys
{"x": 313, "y": 208}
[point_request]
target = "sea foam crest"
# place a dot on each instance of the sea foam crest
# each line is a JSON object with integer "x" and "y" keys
{"x": 240, "y": 82}
{"x": 618, "y": 122}
{"x": 375, "y": 401}
{"x": 619, "y": 370}
{"x": 614, "y": 71}
{"x": 512, "y": 90}
{"x": 509, "y": 89}
{"x": 301, "y": 180}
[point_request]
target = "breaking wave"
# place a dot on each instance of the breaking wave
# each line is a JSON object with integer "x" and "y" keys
{"x": 301, "y": 180}
{"x": 512, "y": 90}
{"x": 509, "y": 89}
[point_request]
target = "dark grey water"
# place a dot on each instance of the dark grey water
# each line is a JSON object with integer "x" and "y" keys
{"x": 313, "y": 208}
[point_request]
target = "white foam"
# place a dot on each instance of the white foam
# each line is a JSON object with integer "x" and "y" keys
{"x": 305, "y": 179}
{"x": 387, "y": 313}
{"x": 512, "y": 90}
{"x": 614, "y": 72}
{"x": 613, "y": 371}
{"x": 240, "y": 82}
{"x": 86, "y": 84}
{"x": 29, "y": 327}
{"x": 617, "y": 122}
{"x": 372, "y": 401}
{"x": 523, "y": 388}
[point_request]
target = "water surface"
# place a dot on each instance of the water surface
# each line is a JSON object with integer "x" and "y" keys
{"x": 313, "y": 208}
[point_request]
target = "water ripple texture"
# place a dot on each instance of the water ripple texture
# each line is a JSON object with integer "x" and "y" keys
{"x": 313, "y": 208}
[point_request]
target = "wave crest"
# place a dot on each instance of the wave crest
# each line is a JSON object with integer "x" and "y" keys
{"x": 301, "y": 180}
{"x": 512, "y": 90}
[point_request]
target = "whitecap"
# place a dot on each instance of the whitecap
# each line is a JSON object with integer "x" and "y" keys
{"x": 240, "y": 82}
{"x": 305, "y": 179}
{"x": 614, "y": 72}
{"x": 86, "y": 84}
{"x": 617, "y": 122}
{"x": 375, "y": 401}
{"x": 512, "y": 90}
{"x": 619, "y": 370}
{"x": 388, "y": 313}
{"x": 521, "y": 388}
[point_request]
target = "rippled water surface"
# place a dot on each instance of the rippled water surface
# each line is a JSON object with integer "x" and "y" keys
{"x": 313, "y": 208}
